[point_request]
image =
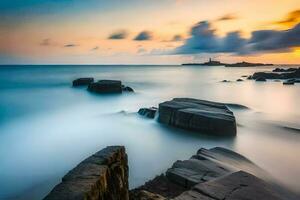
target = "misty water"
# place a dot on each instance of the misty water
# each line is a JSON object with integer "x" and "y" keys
{"x": 47, "y": 127}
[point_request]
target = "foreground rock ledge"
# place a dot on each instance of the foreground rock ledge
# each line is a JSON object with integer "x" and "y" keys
{"x": 198, "y": 115}
{"x": 103, "y": 176}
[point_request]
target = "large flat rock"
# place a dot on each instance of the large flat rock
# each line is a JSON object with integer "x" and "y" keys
{"x": 106, "y": 86}
{"x": 236, "y": 186}
{"x": 198, "y": 115}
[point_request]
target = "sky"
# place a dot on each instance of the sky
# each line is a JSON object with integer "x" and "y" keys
{"x": 149, "y": 31}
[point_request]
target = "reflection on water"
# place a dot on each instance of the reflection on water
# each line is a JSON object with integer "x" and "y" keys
{"x": 47, "y": 126}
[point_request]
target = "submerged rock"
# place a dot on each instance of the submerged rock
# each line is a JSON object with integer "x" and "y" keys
{"x": 260, "y": 79}
{"x": 238, "y": 80}
{"x": 106, "y": 86}
{"x": 103, "y": 176}
{"x": 198, "y": 115}
{"x": 127, "y": 89}
{"x": 148, "y": 112}
{"x": 289, "y": 82}
{"x": 82, "y": 81}
{"x": 275, "y": 75}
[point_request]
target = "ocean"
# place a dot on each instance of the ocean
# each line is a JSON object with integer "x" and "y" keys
{"x": 47, "y": 127}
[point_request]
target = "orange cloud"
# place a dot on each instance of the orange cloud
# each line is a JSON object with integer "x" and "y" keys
{"x": 291, "y": 19}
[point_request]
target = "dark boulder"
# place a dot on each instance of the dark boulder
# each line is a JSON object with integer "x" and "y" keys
{"x": 106, "y": 86}
{"x": 82, "y": 81}
{"x": 239, "y": 80}
{"x": 148, "y": 112}
{"x": 225, "y": 81}
{"x": 289, "y": 82}
{"x": 102, "y": 176}
{"x": 260, "y": 79}
{"x": 127, "y": 89}
{"x": 198, "y": 115}
{"x": 275, "y": 75}
{"x": 284, "y": 70}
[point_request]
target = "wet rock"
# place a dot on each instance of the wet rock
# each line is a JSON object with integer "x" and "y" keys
{"x": 289, "y": 82}
{"x": 127, "y": 89}
{"x": 103, "y": 176}
{"x": 274, "y": 75}
{"x": 260, "y": 79}
{"x": 284, "y": 70}
{"x": 198, "y": 115}
{"x": 225, "y": 81}
{"x": 106, "y": 86}
{"x": 82, "y": 81}
{"x": 235, "y": 186}
{"x": 145, "y": 195}
{"x": 239, "y": 80}
{"x": 148, "y": 112}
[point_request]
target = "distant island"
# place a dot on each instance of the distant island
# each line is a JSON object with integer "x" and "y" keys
{"x": 218, "y": 63}
{"x": 247, "y": 64}
{"x": 209, "y": 63}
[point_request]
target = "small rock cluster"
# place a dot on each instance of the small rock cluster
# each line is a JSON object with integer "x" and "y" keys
{"x": 102, "y": 86}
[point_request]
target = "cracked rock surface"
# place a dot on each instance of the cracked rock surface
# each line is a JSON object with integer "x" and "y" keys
{"x": 198, "y": 115}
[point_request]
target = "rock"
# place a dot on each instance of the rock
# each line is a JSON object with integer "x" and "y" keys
{"x": 148, "y": 112}
{"x": 106, "y": 86}
{"x": 127, "y": 89}
{"x": 274, "y": 75}
{"x": 225, "y": 81}
{"x": 198, "y": 115}
{"x": 284, "y": 70}
{"x": 238, "y": 80}
{"x": 207, "y": 165}
{"x": 261, "y": 79}
{"x": 103, "y": 176}
{"x": 236, "y": 186}
{"x": 289, "y": 82}
{"x": 245, "y": 76}
{"x": 145, "y": 195}
{"x": 160, "y": 185}
{"x": 82, "y": 81}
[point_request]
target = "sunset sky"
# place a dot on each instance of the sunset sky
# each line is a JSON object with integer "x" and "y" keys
{"x": 148, "y": 31}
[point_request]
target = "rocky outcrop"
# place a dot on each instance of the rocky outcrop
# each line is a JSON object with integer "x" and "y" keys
{"x": 284, "y": 70}
{"x": 82, "y": 81}
{"x": 260, "y": 79}
{"x": 198, "y": 115}
{"x": 214, "y": 174}
{"x": 145, "y": 195}
{"x": 148, "y": 112}
{"x": 283, "y": 74}
{"x": 106, "y": 86}
{"x": 236, "y": 186}
{"x": 247, "y": 64}
{"x": 127, "y": 89}
{"x": 103, "y": 176}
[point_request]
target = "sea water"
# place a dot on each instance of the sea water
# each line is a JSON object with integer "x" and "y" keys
{"x": 47, "y": 127}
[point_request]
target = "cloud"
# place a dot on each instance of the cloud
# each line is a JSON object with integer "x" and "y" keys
{"x": 118, "y": 35}
{"x": 204, "y": 40}
{"x": 291, "y": 19}
{"x": 70, "y": 45}
{"x": 144, "y": 35}
{"x": 177, "y": 38}
{"x": 271, "y": 40}
{"x": 227, "y": 17}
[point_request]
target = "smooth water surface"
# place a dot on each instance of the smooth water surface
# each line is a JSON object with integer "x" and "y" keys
{"x": 47, "y": 127}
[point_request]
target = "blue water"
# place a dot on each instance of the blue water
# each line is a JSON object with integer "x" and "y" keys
{"x": 47, "y": 127}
